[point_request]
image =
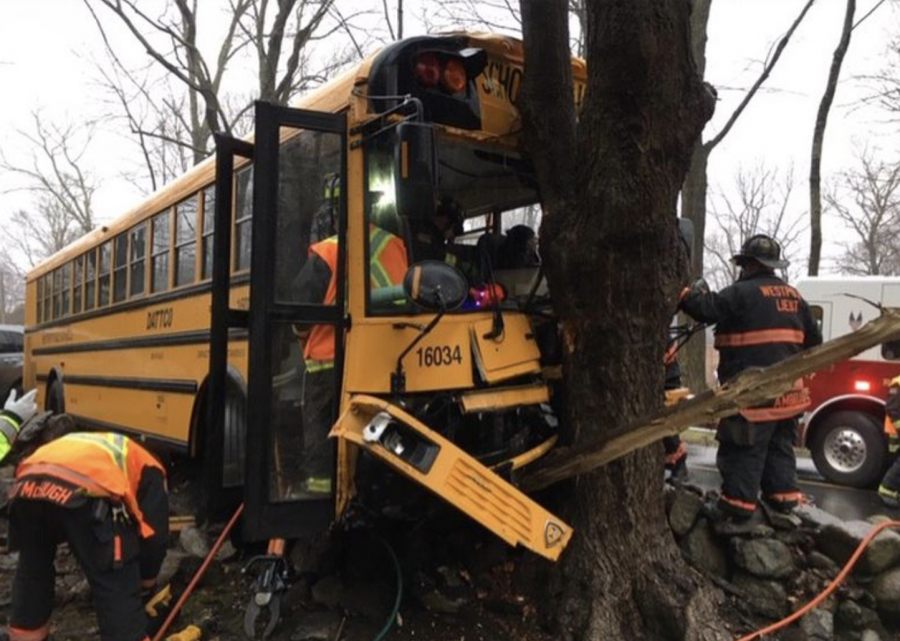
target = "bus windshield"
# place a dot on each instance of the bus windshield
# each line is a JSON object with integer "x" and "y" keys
{"x": 477, "y": 182}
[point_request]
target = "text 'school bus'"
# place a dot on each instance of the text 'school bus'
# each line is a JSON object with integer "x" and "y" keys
{"x": 301, "y": 285}
{"x": 844, "y": 426}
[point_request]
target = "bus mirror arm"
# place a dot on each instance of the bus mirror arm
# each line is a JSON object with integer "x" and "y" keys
{"x": 411, "y": 108}
{"x": 398, "y": 377}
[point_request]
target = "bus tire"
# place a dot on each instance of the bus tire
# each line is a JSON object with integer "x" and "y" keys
{"x": 848, "y": 448}
{"x": 56, "y": 400}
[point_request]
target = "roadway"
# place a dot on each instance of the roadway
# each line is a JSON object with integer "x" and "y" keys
{"x": 846, "y": 503}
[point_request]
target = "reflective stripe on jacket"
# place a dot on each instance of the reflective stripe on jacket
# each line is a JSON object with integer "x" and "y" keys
{"x": 102, "y": 464}
{"x": 387, "y": 267}
{"x": 760, "y": 320}
{"x": 10, "y": 424}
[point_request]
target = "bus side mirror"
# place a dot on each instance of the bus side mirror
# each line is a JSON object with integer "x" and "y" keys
{"x": 435, "y": 286}
{"x": 416, "y": 165}
{"x": 686, "y": 233}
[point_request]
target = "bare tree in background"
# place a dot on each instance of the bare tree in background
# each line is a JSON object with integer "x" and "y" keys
{"x": 762, "y": 206}
{"x": 278, "y": 37}
{"x": 63, "y": 191}
{"x": 867, "y": 201}
{"x": 818, "y": 141}
{"x": 694, "y": 194}
{"x": 498, "y": 16}
{"x": 12, "y": 291}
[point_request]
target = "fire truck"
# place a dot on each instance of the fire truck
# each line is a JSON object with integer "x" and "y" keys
{"x": 844, "y": 426}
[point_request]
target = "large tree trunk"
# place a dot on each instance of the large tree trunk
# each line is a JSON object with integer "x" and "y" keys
{"x": 614, "y": 265}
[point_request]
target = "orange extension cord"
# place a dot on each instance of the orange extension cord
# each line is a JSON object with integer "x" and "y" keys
{"x": 831, "y": 586}
{"x": 198, "y": 575}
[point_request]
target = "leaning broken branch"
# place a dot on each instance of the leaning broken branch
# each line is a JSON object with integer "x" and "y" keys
{"x": 753, "y": 387}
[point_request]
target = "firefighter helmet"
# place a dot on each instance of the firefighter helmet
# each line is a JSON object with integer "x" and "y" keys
{"x": 763, "y": 249}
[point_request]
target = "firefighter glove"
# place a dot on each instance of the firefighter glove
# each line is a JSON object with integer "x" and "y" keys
{"x": 893, "y": 443}
{"x": 23, "y": 408}
{"x": 698, "y": 288}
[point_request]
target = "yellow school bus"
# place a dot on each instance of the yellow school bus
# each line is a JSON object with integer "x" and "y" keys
{"x": 328, "y": 311}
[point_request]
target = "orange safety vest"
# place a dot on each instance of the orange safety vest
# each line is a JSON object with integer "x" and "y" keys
{"x": 102, "y": 464}
{"x": 387, "y": 266}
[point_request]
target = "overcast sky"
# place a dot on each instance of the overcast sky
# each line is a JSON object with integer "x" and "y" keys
{"x": 46, "y": 47}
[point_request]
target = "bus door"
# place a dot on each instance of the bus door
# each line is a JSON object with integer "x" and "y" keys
{"x": 296, "y": 320}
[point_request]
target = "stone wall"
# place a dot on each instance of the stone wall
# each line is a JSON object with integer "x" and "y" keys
{"x": 773, "y": 564}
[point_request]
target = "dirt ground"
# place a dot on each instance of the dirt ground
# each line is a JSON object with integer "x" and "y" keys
{"x": 344, "y": 588}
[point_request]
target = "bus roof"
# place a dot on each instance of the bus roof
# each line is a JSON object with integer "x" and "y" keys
{"x": 333, "y": 96}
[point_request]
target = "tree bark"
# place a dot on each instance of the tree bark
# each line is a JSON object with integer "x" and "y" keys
{"x": 614, "y": 266}
{"x": 815, "y": 169}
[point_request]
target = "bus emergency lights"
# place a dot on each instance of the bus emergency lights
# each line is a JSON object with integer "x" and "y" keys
{"x": 862, "y": 386}
{"x": 447, "y": 70}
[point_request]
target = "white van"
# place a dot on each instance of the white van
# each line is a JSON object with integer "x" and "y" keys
{"x": 844, "y": 427}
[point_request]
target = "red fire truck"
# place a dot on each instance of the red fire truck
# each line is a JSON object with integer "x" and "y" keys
{"x": 844, "y": 427}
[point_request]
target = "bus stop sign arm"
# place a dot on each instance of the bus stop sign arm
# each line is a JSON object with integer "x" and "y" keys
{"x": 752, "y": 387}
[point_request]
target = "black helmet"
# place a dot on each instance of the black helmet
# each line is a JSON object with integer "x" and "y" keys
{"x": 763, "y": 249}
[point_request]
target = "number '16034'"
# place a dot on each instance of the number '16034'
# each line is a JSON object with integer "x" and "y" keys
{"x": 439, "y": 356}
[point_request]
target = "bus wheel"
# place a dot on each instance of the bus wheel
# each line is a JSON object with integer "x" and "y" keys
{"x": 848, "y": 448}
{"x": 56, "y": 400}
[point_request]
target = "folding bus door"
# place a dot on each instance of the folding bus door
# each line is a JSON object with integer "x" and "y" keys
{"x": 295, "y": 321}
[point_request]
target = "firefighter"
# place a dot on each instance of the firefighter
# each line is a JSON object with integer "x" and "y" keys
{"x": 317, "y": 284}
{"x": 760, "y": 320}
{"x": 675, "y": 449}
{"x": 519, "y": 249}
{"x": 889, "y": 489}
{"x": 16, "y": 412}
{"x": 104, "y": 495}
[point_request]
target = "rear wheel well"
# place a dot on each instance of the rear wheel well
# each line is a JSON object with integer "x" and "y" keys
{"x": 54, "y": 393}
{"x": 868, "y": 406}
{"x": 220, "y": 462}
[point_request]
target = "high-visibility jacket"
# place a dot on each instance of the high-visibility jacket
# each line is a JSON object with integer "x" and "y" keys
{"x": 760, "y": 320}
{"x": 10, "y": 424}
{"x": 387, "y": 266}
{"x": 96, "y": 464}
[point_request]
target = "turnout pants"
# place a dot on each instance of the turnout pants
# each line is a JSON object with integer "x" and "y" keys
{"x": 891, "y": 478}
{"x": 318, "y": 416}
{"x": 36, "y": 527}
{"x": 754, "y": 456}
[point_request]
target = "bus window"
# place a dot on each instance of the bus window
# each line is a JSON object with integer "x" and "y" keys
{"x": 312, "y": 159}
{"x": 120, "y": 270}
{"x": 104, "y": 273}
{"x": 138, "y": 255}
{"x": 90, "y": 282}
{"x": 186, "y": 241}
{"x": 891, "y": 351}
{"x": 818, "y": 314}
{"x": 242, "y": 218}
{"x": 40, "y": 299}
{"x": 48, "y": 293}
{"x": 77, "y": 290}
{"x": 476, "y": 180}
{"x": 209, "y": 223}
{"x": 66, "y": 289}
{"x": 57, "y": 293}
{"x": 159, "y": 253}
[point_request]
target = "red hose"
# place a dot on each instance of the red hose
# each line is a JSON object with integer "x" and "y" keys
{"x": 198, "y": 575}
{"x": 831, "y": 586}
